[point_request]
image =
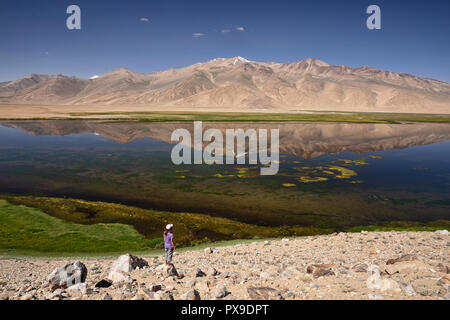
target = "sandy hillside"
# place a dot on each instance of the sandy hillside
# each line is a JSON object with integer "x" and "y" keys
{"x": 378, "y": 265}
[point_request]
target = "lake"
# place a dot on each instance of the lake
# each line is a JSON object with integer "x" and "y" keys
{"x": 331, "y": 174}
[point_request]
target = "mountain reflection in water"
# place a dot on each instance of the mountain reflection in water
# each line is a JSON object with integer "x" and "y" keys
{"x": 330, "y": 173}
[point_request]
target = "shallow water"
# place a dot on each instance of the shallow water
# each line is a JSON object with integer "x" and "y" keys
{"x": 331, "y": 174}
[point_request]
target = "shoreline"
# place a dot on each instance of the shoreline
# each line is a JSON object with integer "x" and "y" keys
{"x": 412, "y": 265}
{"x": 102, "y": 113}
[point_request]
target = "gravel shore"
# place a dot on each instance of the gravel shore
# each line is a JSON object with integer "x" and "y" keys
{"x": 366, "y": 265}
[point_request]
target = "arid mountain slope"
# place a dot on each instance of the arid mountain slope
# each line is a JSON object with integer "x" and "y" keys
{"x": 229, "y": 83}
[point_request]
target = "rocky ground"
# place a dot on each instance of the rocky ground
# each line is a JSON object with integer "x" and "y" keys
{"x": 366, "y": 265}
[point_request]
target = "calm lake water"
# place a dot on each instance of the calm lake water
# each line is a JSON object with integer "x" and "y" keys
{"x": 330, "y": 174}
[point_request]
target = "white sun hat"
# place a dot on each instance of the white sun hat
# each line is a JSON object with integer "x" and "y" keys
{"x": 169, "y": 226}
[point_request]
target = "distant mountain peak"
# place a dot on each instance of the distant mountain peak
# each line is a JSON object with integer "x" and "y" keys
{"x": 317, "y": 62}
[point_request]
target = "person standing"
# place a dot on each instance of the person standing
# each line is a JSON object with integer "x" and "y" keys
{"x": 168, "y": 244}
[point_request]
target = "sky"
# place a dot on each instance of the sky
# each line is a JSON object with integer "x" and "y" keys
{"x": 146, "y": 36}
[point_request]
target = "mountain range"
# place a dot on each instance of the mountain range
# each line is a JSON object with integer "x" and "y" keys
{"x": 237, "y": 84}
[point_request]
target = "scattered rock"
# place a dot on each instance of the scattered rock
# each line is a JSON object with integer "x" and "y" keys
{"x": 320, "y": 270}
{"x": 199, "y": 273}
{"x": 442, "y": 232}
{"x": 360, "y": 267}
{"x": 406, "y": 257}
{"x": 154, "y": 287}
{"x": 389, "y": 285}
{"x": 408, "y": 289}
{"x": 191, "y": 283}
{"x": 442, "y": 268}
{"x": 375, "y": 297}
{"x": 165, "y": 295}
{"x": 264, "y": 293}
{"x": 428, "y": 287}
{"x": 103, "y": 284}
{"x": 171, "y": 271}
{"x": 191, "y": 295}
{"x": 374, "y": 282}
{"x": 203, "y": 285}
{"x": 68, "y": 275}
{"x": 107, "y": 296}
{"x": 81, "y": 287}
{"x": 445, "y": 280}
{"x": 220, "y": 292}
{"x": 147, "y": 293}
{"x": 138, "y": 297}
{"x": 208, "y": 250}
{"x": 407, "y": 267}
{"x": 314, "y": 286}
{"x": 58, "y": 293}
{"x": 212, "y": 272}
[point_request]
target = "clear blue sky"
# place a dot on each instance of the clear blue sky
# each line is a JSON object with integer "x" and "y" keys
{"x": 34, "y": 38}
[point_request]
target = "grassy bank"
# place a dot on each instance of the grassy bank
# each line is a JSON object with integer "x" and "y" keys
{"x": 27, "y": 230}
{"x": 61, "y": 226}
{"x": 306, "y": 116}
{"x": 40, "y": 226}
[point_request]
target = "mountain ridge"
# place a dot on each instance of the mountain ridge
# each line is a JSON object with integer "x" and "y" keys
{"x": 238, "y": 83}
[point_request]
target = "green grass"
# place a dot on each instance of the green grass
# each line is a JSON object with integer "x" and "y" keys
{"x": 307, "y": 116}
{"x": 27, "y": 230}
{"x": 59, "y": 226}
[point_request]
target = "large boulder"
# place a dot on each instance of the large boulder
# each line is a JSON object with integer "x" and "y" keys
{"x": 117, "y": 277}
{"x": 127, "y": 263}
{"x": 68, "y": 275}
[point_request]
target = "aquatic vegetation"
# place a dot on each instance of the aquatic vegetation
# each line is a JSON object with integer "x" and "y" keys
{"x": 375, "y": 157}
{"x": 301, "y": 168}
{"x": 355, "y": 181}
{"x": 307, "y": 179}
{"x": 182, "y": 171}
{"x": 288, "y": 185}
{"x": 344, "y": 173}
{"x": 296, "y": 161}
{"x": 351, "y": 162}
{"x": 181, "y": 177}
{"x": 242, "y": 170}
